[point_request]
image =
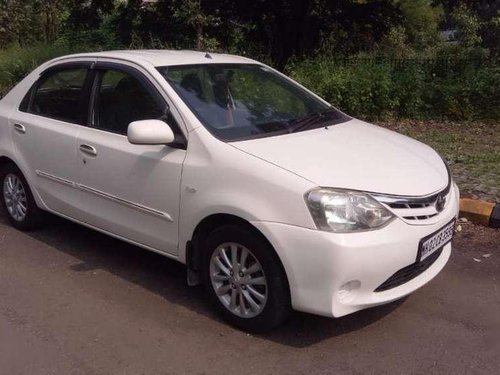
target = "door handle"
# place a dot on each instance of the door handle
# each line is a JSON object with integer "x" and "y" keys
{"x": 88, "y": 150}
{"x": 20, "y": 128}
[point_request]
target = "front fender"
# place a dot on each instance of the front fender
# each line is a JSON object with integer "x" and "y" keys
{"x": 220, "y": 179}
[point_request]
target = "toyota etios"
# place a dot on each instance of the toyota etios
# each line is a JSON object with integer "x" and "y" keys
{"x": 273, "y": 198}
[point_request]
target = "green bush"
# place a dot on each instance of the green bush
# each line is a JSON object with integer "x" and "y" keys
{"x": 369, "y": 88}
{"x": 420, "y": 89}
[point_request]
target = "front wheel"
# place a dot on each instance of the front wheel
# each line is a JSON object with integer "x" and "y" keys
{"x": 245, "y": 279}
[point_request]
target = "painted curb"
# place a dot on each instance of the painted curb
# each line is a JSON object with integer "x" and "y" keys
{"x": 480, "y": 212}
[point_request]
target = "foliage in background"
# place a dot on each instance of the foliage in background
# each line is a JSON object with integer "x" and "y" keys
{"x": 407, "y": 88}
{"x": 25, "y": 22}
{"x": 485, "y": 18}
{"x": 16, "y": 62}
{"x": 421, "y": 19}
{"x": 280, "y": 29}
{"x": 343, "y": 49}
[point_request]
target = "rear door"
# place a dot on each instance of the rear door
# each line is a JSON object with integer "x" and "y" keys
{"x": 45, "y": 129}
{"x": 130, "y": 190}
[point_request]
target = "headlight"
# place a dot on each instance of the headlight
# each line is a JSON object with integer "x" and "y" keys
{"x": 344, "y": 211}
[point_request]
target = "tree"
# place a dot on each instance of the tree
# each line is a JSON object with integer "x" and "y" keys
{"x": 420, "y": 20}
{"x": 486, "y": 13}
{"x": 468, "y": 25}
{"x": 285, "y": 28}
{"x": 15, "y": 22}
{"x": 192, "y": 14}
{"x": 51, "y": 14}
{"x": 88, "y": 14}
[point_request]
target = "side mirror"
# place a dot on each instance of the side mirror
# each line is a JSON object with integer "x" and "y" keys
{"x": 150, "y": 132}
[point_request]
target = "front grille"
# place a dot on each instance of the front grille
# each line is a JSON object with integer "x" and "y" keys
{"x": 413, "y": 209}
{"x": 408, "y": 273}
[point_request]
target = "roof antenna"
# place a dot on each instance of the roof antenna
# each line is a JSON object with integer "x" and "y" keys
{"x": 207, "y": 56}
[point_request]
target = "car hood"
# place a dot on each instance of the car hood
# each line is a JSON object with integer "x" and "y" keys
{"x": 355, "y": 155}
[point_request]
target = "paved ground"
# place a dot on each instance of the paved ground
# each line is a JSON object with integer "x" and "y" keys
{"x": 73, "y": 301}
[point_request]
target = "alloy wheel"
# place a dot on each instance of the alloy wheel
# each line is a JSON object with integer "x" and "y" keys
{"x": 238, "y": 280}
{"x": 15, "y": 198}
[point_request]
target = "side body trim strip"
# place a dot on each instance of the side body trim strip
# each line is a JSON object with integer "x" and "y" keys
{"x": 55, "y": 178}
{"x": 136, "y": 206}
{"x": 110, "y": 197}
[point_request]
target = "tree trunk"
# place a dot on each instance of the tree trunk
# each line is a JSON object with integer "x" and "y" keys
{"x": 199, "y": 37}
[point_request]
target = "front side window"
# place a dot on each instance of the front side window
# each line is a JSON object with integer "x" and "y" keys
{"x": 122, "y": 99}
{"x": 60, "y": 95}
{"x": 242, "y": 101}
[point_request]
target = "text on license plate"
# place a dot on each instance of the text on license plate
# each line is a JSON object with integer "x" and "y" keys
{"x": 437, "y": 241}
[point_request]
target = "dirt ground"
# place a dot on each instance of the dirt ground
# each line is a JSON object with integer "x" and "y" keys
{"x": 73, "y": 301}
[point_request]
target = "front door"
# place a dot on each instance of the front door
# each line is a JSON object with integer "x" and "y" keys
{"x": 129, "y": 190}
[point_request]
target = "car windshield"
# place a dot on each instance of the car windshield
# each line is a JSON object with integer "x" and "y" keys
{"x": 245, "y": 101}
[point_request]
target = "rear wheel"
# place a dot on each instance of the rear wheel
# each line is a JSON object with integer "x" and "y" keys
{"x": 245, "y": 279}
{"x": 18, "y": 200}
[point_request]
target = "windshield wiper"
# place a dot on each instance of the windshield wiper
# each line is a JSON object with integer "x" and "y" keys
{"x": 304, "y": 122}
{"x": 329, "y": 116}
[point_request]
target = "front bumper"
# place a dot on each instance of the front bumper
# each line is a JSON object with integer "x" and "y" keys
{"x": 334, "y": 274}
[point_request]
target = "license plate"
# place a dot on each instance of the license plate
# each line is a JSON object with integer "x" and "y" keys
{"x": 435, "y": 241}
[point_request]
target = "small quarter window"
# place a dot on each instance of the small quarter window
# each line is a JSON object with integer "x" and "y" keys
{"x": 60, "y": 95}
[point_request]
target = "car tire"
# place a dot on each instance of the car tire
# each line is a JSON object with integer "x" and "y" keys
{"x": 17, "y": 199}
{"x": 253, "y": 294}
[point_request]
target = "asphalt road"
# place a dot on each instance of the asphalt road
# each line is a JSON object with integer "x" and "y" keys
{"x": 73, "y": 301}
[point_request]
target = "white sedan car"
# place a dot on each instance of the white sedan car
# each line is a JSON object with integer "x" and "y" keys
{"x": 271, "y": 197}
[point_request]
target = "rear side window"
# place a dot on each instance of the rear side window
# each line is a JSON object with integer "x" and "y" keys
{"x": 60, "y": 95}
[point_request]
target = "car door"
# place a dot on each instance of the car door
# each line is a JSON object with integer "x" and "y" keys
{"x": 44, "y": 133}
{"x": 130, "y": 190}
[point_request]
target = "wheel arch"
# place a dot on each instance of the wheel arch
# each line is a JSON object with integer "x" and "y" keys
{"x": 5, "y": 160}
{"x": 194, "y": 247}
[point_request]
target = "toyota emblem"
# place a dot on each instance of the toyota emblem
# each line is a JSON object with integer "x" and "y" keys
{"x": 440, "y": 201}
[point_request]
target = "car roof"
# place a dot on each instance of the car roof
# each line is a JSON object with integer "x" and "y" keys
{"x": 166, "y": 57}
